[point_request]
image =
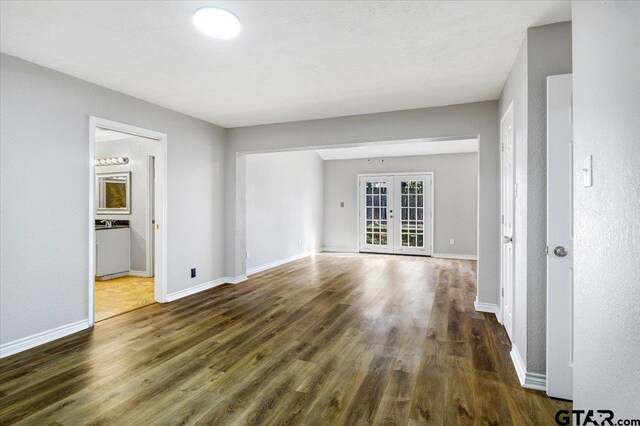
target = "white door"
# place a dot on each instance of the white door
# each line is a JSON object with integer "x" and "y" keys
{"x": 507, "y": 201}
{"x": 396, "y": 214}
{"x": 376, "y": 221}
{"x": 412, "y": 214}
{"x": 559, "y": 237}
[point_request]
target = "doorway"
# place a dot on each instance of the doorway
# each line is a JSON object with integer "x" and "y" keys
{"x": 507, "y": 258}
{"x": 395, "y": 213}
{"x": 127, "y": 257}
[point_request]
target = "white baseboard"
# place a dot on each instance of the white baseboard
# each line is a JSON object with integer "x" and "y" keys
{"x": 195, "y": 289}
{"x": 38, "y": 339}
{"x": 140, "y": 274}
{"x": 204, "y": 286}
{"x": 491, "y": 308}
{"x": 339, "y": 250}
{"x": 279, "y": 262}
{"x": 527, "y": 379}
{"x": 235, "y": 280}
{"x": 112, "y": 276}
{"x": 455, "y": 256}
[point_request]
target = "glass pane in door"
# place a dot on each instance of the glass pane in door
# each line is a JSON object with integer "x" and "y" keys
{"x": 412, "y": 214}
{"x": 376, "y": 203}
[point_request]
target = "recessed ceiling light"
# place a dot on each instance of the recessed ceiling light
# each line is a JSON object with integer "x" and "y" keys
{"x": 216, "y": 22}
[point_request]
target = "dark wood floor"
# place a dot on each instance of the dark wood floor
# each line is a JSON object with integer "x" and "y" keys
{"x": 332, "y": 339}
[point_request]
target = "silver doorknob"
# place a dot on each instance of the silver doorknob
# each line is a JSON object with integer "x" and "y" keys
{"x": 560, "y": 251}
{"x": 506, "y": 240}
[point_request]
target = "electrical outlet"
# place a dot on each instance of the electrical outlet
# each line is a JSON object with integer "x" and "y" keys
{"x": 193, "y": 272}
{"x": 299, "y": 242}
{"x": 451, "y": 242}
{"x": 247, "y": 252}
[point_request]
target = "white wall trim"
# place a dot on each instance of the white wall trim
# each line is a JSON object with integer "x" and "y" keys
{"x": 38, "y": 339}
{"x": 139, "y": 274}
{"x": 150, "y": 214}
{"x": 339, "y": 250}
{"x": 279, "y": 262}
{"x": 518, "y": 364}
{"x": 527, "y": 379}
{"x": 235, "y": 280}
{"x": 204, "y": 286}
{"x": 112, "y": 276}
{"x": 456, "y": 256}
{"x": 195, "y": 289}
{"x": 491, "y": 308}
{"x": 160, "y": 198}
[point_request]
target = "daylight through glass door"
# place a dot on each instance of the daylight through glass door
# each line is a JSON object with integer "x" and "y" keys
{"x": 376, "y": 207}
{"x": 395, "y": 214}
{"x": 412, "y": 213}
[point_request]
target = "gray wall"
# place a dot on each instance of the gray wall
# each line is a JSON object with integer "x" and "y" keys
{"x": 44, "y": 184}
{"x": 136, "y": 148}
{"x": 284, "y": 205}
{"x": 455, "y": 193}
{"x": 549, "y": 54}
{"x": 475, "y": 119}
{"x": 606, "y": 101}
{"x": 546, "y": 51}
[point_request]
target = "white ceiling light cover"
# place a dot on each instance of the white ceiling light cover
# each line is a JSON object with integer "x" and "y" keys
{"x": 216, "y": 22}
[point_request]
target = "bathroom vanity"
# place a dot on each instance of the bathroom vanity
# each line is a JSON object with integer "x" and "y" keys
{"x": 112, "y": 248}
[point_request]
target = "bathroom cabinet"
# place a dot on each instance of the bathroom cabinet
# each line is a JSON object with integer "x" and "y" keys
{"x": 112, "y": 252}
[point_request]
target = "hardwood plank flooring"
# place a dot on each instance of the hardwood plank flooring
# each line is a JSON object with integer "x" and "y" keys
{"x": 124, "y": 294}
{"x": 331, "y": 339}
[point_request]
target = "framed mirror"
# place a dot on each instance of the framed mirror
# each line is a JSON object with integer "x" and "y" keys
{"x": 113, "y": 193}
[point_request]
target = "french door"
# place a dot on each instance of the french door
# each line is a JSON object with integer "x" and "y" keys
{"x": 396, "y": 214}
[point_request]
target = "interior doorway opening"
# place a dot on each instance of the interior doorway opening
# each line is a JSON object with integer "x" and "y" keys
{"x": 126, "y": 252}
{"x": 299, "y": 202}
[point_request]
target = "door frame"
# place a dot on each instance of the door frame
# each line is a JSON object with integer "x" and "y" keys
{"x": 160, "y": 198}
{"x": 501, "y": 319}
{"x": 433, "y": 214}
{"x": 151, "y": 175}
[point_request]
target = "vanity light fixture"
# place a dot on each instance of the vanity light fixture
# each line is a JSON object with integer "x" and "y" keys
{"x": 115, "y": 161}
{"x": 216, "y": 22}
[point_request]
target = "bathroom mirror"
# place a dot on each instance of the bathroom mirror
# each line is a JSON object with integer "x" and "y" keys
{"x": 113, "y": 193}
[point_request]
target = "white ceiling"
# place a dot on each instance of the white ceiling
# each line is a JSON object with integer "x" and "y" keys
{"x": 406, "y": 148}
{"x": 292, "y": 61}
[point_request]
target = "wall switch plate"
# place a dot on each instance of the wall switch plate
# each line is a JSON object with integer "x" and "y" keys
{"x": 587, "y": 179}
{"x": 451, "y": 241}
{"x": 341, "y": 203}
{"x": 193, "y": 272}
